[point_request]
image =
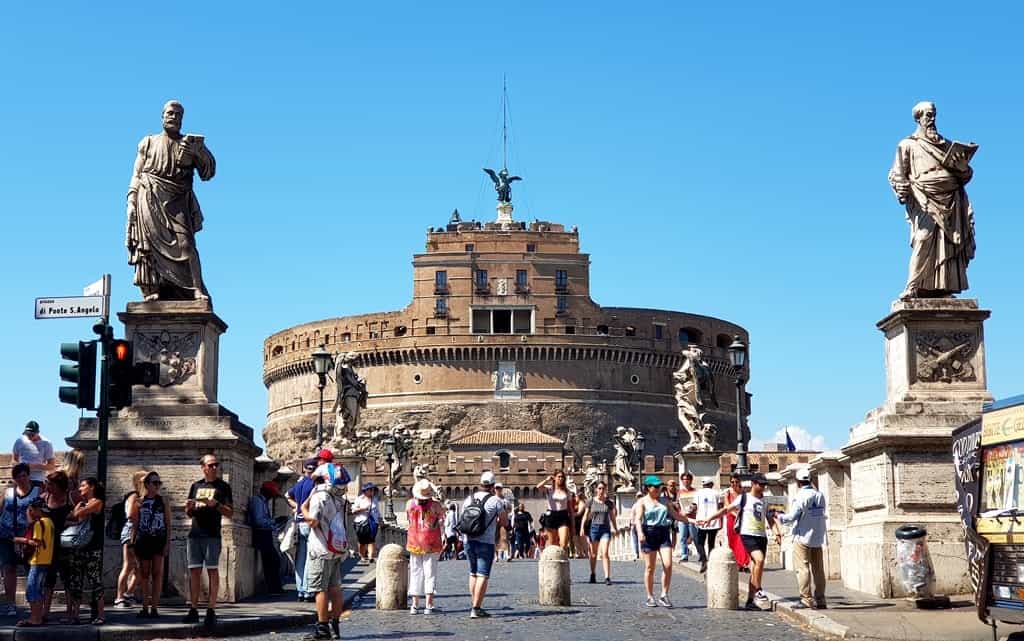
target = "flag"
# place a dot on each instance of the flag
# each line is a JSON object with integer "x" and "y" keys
{"x": 790, "y": 445}
{"x": 94, "y": 289}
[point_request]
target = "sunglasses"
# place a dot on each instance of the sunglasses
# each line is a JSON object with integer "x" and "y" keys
{"x": 213, "y": 465}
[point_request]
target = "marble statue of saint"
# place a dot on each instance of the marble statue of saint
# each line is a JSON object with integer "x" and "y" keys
{"x": 351, "y": 396}
{"x": 163, "y": 213}
{"x": 694, "y": 383}
{"x": 403, "y": 448}
{"x": 502, "y": 184}
{"x": 591, "y": 478}
{"x": 625, "y": 456}
{"x": 928, "y": 176}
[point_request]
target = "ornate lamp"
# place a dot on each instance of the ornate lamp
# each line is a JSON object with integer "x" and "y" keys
{"x": 322, "y": 362}
{"x": 389, "y": 456}
{"x": 738, "y": 360}
{"x": 641, "y": 442}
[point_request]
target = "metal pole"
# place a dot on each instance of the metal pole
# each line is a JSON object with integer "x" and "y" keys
{"x": 320, "y": 419}
{"x": 389, "y": 515}
{"x": 741, "y": 445}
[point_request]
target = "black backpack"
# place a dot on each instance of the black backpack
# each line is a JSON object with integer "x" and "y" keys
{"x": 473, "y": 521}
{"x": 118, "y": 517}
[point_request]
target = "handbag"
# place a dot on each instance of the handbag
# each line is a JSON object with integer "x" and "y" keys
{"x": 545, "y": 519}
{"x": 77, "y": 535}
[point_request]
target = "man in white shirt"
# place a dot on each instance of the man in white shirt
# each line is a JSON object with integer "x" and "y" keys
{"x": 807, "y": 517}
{"x": 323, "y": 567}
{"x": 707, "y": 501}
{"x": 36, "y": 451}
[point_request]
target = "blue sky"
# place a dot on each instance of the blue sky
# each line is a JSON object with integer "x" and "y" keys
{"x": 725, "y": 161}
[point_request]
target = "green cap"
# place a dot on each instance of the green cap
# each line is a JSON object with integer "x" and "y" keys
{"x": 652, "y": 480}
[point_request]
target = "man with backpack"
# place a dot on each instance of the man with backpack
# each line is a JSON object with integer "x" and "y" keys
{"x": 482, "y": 514}
{"x": 325, "y": 511}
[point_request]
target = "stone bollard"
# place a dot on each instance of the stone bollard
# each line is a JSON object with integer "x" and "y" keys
{"x": 392, "y": 578}
{"x": 721, "y": 579}
{"x": 553, "y": 577}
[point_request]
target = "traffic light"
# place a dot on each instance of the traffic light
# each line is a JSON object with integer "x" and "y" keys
{"x": 125, "y": 373}
{"x": 121, "y": 374}
{"x": 82, "y": 373}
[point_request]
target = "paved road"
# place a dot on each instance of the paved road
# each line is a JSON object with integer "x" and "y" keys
{"x": 599, "y": 612}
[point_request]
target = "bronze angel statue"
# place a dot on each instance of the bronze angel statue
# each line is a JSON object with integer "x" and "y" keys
{"x": 502, "y": 184}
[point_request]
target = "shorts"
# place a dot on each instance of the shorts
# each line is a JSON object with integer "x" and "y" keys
{"x": 35, "y": 584}
{"x": 58, "y": 566}
{"x": 557, "y": 519}
{"x": 365, "y": 535}
{"x": 150, "y": 546}
{"x": 598, "y": 532}
{"x": 203, "y": 551}
{"x": 754, "y": 543}
{"x": 323, "y": 574}
{"x": 656, "y": 537}
{"x": 480, "y": 556}
{"x": 8, "y": 555}
{"x": 127, "y": 533}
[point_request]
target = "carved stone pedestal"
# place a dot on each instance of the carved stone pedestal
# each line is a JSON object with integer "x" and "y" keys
{"x": 170, "y": 426}
{"x": 899, "y": 456}
{"x": 700, "y": 464}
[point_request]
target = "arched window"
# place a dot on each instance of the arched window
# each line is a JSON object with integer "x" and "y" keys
{"x": 690, "y": 336}
{"x": 504, "y": 460}
{"x": 723, "y": 341}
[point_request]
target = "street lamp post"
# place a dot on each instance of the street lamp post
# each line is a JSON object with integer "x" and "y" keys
{"x": 738, "y": 360}
{"x": 322, "y": 362}
{"x": 641, "y": 442}
{"x": 389, "y": 456}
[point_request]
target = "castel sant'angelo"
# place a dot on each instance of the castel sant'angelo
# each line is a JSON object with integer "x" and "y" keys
{"x": 502, "y": 352}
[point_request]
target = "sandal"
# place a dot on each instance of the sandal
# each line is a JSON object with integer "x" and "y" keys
{"x": 97, "y": 621}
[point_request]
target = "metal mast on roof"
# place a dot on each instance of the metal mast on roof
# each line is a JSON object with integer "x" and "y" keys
{"x": 504, "y": 122}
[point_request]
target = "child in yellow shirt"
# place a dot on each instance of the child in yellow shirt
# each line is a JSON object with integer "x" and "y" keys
{"x": 40, "y": 539}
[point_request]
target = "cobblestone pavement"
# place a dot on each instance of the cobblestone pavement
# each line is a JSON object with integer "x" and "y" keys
{"x": 599, "y": 612}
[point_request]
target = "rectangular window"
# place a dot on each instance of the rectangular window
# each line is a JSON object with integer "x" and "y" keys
{"x": 431, "y": 331}
{"x": 562, "y": 304}
{"x": 530, "y": 247}
{"x": 346, "y": 337}
{"x": 480, "y": 279}
{"x": 659, "y": 332}
{"x": 570, "y": 329}
{"x": 501, "y": 321}
{"x": 521, "y": 278}
{"x": 481, "y": 321}
{"x": 441, "y": 307}
{"x": 469, "y": 247}
{"x": 441, "y": 281}
{"x": 561, "y": 280}
{"x": 522, "y": 321}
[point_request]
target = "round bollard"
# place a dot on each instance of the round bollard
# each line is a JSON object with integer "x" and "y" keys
{"x": 553, "y": 577}
{"x": 721, "y": 579}
{"x": 392, "y": 578}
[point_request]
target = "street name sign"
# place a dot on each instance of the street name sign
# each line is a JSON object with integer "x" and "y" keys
{"x": 70, "y": 307}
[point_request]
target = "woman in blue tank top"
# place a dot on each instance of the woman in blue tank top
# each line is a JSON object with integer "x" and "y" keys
{"x": 654, "y": 524}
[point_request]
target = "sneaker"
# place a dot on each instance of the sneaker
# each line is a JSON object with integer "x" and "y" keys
{"x": 191, "y": 617}
{"x": 335, "y": 629}
{"x": 651, "y": 603}
{"x": 607, "y": 580}
{"x": 210, "y": 621}
{"x": 760, "y": 596}
{"x": 664, "y": 602}
{"x": 703, "y": 567}
{"x": 479, "y": 613}
{"x": 807, "y": 603}
{"x": 321, "y": 632}
{"x": 593, "y": 579}
{"x": 820, "y": 605}
{"x": 413, "y": 610}
{"x": 428, "y": 610}
{"x": 123, "y": 604}
{"x": 473, "y": 614}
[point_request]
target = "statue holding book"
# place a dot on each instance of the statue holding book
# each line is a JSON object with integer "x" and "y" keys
{"x": 163, "y": 213}
{"x": 928, "y": 176}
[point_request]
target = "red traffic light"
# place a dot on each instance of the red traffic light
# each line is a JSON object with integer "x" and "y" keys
{"x": 122, "y": 350}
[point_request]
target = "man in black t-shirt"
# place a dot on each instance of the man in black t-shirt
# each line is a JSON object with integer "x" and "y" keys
{"x": 209, "y": 500}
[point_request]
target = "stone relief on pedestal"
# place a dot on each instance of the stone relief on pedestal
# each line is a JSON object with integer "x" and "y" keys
{"x": 945, "y": 356}
{"x": 928, "y": 176}
{"x": 694, "y": 382}
{"x": 163, "y": 212}
{"x": 176, "y": 353}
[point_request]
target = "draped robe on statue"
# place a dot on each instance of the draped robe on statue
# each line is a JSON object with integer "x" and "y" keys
{"x": 161, "y": 235}
{"x": 940, "y": 215}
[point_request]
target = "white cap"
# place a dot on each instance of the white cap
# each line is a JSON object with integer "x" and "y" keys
{"x": 707, "y": 480}
{"x": 487, "y": 478}
{"x": 423, "y": 489}
{"x": 803, "y": 474}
